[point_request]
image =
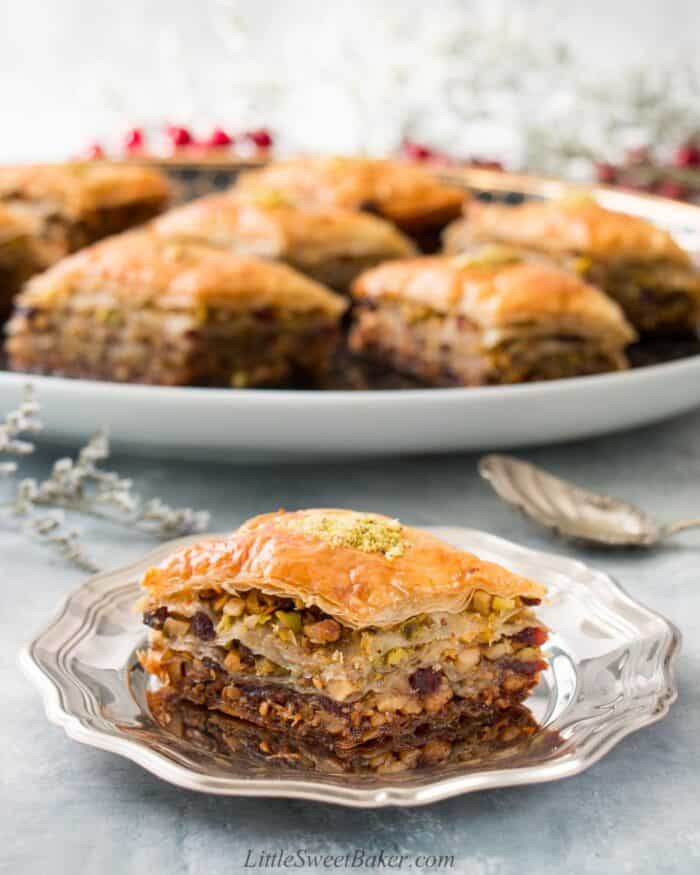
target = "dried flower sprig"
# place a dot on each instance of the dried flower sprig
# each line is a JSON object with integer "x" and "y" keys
{"x": 18, "y": 423}
{"x": 80, "y": 485}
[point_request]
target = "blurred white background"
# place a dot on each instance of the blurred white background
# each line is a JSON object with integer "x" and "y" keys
{"x": 516, "y": 79}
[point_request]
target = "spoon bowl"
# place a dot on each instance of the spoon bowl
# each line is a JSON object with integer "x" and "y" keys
{"x": 572, "y": 511}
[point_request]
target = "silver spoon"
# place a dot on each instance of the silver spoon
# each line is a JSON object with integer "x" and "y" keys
{"x": 572, "y": 511}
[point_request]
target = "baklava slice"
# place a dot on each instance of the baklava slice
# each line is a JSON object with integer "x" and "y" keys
{"x": 638, "y": 264}
{"x": 136, "y": 308}
{"x": 346, "y": 629}
{"x": 18, "y": 257}
{"x": 330, "y": 244}
{"x": 414, "y": 199}
{"x": 485, "y": 318}
{"x": 75, "y": 204}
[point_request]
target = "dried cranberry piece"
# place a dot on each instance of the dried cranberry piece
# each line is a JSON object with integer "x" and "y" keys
{"x": 425, "y": 680}
{"x": 156, "y": 618}
{"x": 202, "y": 626}
{"x": 532, "y": 635}
{"x": 532, "y": 667}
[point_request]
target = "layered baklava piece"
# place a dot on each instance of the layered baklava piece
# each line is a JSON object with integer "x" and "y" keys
{"x": 639, "y": 265}
{"x": 330, "y": 244}
{"x": 75, "y": 204}
{"x": 18, "y": 257}
{"x": 485, "y": 318}
{"x": 415, "y": 200}
{"x": 347, "y": 630}
{"x": 136, "y": 308}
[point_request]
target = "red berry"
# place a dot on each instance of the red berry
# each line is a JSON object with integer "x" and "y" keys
{"x": 218, "y": 139}
{"x": 134, "y": 140}
{"x": 179, "y": 136}
{"x": 94, "y": 152}
{"x": 260, "y": 137}
{"x": 416, "y": 151}
{"x": 672, "y": 189}
{"x": 605, "y": 173}
{"x": 532, "y": 635}
{"x": 687, "y": 155}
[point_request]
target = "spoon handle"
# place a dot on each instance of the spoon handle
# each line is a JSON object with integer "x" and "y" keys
{"x": 680, "y": 526}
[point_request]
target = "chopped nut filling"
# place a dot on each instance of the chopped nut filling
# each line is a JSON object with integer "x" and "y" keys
{"x": 255, "y": 636}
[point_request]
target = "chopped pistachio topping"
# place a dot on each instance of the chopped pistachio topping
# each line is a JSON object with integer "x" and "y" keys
{"x": 489, "y": 256}
{"x": 109, "y": 316}
{"x": 270, "y": 198}
{"x": 362, "y": 531}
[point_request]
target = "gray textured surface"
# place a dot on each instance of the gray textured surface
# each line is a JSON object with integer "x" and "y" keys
{"x": 68, "y": 808}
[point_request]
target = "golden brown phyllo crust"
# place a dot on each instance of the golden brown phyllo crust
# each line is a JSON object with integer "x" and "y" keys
{"x": 638, "y": 264}
{"x": 19, "y": 257}
{"x": 136, "y": 308}
{"x": 420, "y": 636}
{"x": 330, "y": 244}
{"x": 72, "y": 205}
{"x": 48, "y": 211}
{"x": 411, "y": 197}
{"x": 488, "y": 317}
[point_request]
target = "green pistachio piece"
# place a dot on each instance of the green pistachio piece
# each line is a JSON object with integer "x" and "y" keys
{"x": 224, "y": 624}
{"x": 290, "y": 619}
{"x": 395, "y": 656}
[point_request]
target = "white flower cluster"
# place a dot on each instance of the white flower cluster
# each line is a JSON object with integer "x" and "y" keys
{"x": 494, "y": 79}
{"x": 80, "y": 486}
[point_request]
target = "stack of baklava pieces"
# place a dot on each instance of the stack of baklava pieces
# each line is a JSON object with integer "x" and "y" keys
{"x": 269, "y": 283}
{"x": 248, "y": 288}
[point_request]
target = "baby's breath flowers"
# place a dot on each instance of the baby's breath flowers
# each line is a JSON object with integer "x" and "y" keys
{"x": 79, "y": 486}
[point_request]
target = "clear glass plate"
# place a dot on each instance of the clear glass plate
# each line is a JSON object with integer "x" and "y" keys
{"x": 612, "y": 671}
